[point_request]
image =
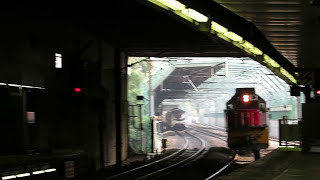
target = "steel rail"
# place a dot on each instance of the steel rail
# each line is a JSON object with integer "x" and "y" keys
{"x": 186, "y": 144}
{"x": 218, "y": 136}
{"x": 222, "y": 169}
{"x": 180, "y": 163}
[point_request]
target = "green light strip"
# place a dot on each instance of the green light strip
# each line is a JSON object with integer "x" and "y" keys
{"x": 173, "y": 4}
{"x": 288, "y": 75}
{"x": 195, "y": 17}
{"x": 270, "y": 61}
{"x": 193, "y": 14}
{"x": 289, "y": 149}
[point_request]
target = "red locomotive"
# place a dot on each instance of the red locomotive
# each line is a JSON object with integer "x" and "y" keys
{"x": 246, "y": 116}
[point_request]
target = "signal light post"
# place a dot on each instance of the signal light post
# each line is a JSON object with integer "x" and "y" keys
{"x": 139, "y": 104}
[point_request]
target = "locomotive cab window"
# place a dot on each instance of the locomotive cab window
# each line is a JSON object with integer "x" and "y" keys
{"x": 229, "y": 107}
{"x": 262, "y": 107}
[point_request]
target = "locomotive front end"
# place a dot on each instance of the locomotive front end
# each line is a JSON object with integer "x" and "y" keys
{"x": 246, "y": 117}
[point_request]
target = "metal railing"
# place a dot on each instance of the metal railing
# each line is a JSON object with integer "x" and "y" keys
{"x": 289, "y": 132}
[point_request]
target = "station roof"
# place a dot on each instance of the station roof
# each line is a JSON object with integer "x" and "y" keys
{"x": 148, "y": 28}
{"x": 279, "y": 20}
{"x": 214, "y": 78}
{"x": 218, "y": 22}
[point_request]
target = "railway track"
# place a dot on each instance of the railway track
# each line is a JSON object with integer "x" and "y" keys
{"x": 219, "y": 133}
{"x": 192, "y": 149}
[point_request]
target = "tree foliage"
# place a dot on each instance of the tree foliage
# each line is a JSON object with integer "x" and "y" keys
{"x": 140, "y": 140}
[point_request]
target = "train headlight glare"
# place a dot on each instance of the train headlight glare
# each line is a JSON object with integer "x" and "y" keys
{"x": 245, "y": 98}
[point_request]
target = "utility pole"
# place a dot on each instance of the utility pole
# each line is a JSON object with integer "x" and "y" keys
{"x": 151, "y": 113}
{"x": 117, "y": 100}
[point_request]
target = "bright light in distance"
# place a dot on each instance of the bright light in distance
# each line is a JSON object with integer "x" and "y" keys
{"x": 9, "y": 177}
{"x": 77, "y": 89}
{"x": 318, "y": 92}
{"x": 246, "y": 98}
{"x": 50, "y": 170}
{"x": 23, "y": 175}
{"x": 58, "y": 60}
{"x": 38, "y": 172}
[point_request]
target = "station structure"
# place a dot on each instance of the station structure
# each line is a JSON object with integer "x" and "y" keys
{"x": 64, "y": 67}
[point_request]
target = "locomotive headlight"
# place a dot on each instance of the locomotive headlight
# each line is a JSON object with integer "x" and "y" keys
{"x": 245, "y": 98}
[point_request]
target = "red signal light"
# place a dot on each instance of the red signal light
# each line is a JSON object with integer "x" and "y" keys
{"x": 77, "y": 89}
{"x": 318, "y": 92}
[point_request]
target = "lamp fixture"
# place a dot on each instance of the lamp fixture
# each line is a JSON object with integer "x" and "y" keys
{"x": 233, "y": 36}
{"x": 288, "y": 75}
{"x": 173, "y": 4}
{"x": 217, "y": 27}
{"x": 195, "y": 15}
{"x": 270, "y": 61}
{"x": 247, "y": 45}
{"x": 256, "y": 51}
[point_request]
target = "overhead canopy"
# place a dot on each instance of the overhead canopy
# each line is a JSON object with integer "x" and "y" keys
{"x": 240, "y": 73}
{"x": 216, "y": 21}
{"x": 148, "y": 28}
{"x": 213, "y": 79}
{"x": 279, "y": 20}
{"x": 183, "y": 79}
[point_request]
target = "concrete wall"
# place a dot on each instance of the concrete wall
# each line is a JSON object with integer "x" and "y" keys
{"x": 65, "y": 119}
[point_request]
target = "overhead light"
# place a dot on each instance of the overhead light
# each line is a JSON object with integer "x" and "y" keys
{"x": 256, "y": 51}
{"x": 233, "y": 36}
{"x": 38, "y": 172}
{"x": 247, "y": 45}
{"x": 50, "y": 170}
{"x": 193, "y": 14}
{"x": 288, "y": 75}
{"x": 270, "y": 61}
{"x": 222, "y": 36}
{"x": 173, "y": 4}
{"x": 14, "y": 85}
{"x": 9, "y": 177}
{"x": 237, "y": 44}
{"x": 19, "y": 85}
{"x": 23, "y": 175}
{"x": 217, "y": 27}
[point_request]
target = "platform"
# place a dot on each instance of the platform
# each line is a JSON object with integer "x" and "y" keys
{"x": 280, "y": 165}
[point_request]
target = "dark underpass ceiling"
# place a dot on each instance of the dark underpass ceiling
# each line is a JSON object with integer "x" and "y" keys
{"x": 134, "y": 27}
{"x": 143, "y": 29}
{"x": 279, "y": 20}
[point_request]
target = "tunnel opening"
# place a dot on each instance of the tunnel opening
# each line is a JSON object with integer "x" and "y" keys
{"x": 201, "y": 87}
